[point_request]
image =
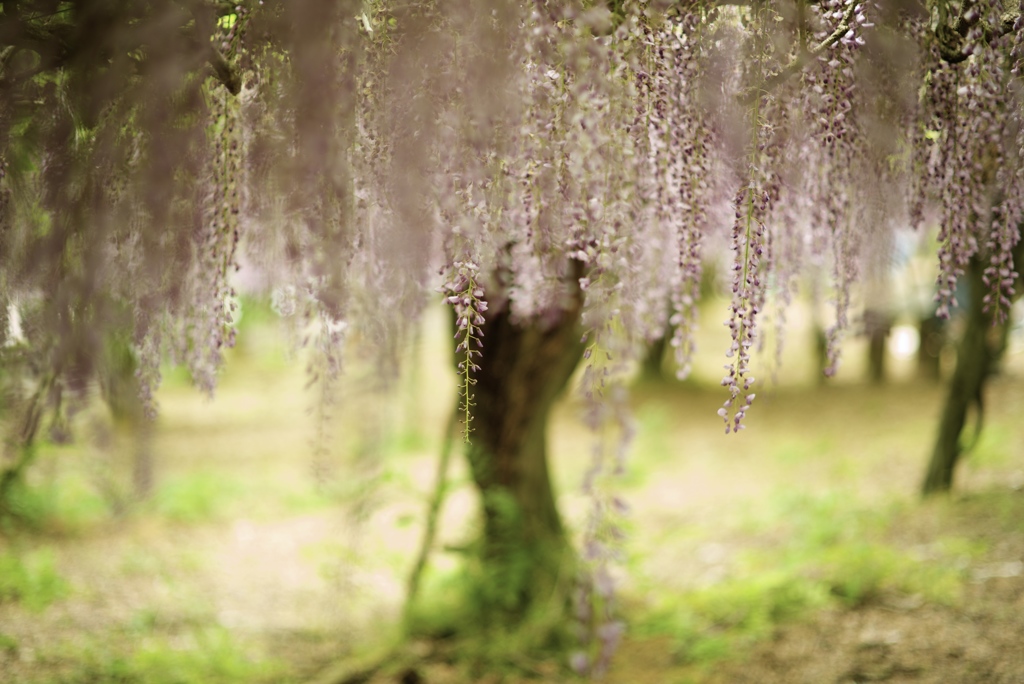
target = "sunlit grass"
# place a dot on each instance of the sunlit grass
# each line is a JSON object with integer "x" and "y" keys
{"x": 198, "y": 656}
{"x": 29, "y": 578}
{"x": 66, "y": 505}
{"x": 804, "y": 553}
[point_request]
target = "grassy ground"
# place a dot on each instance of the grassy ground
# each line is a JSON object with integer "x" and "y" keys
{"x": 796, "y": 551}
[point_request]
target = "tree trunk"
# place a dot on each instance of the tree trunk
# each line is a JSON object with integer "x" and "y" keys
{"x": 24, "y": 444}
{"x": 876, "y": 327}
{"x": 932, "y": 336}
{"x": 653, "y": 364}
{"x": 820, "y": 353}
{"x": 525, "y": 556}
{"x": 977, "y": 354}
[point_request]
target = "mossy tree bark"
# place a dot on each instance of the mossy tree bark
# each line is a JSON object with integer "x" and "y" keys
{"x": 978, "y": 352}
{"x": 525, "y": 556}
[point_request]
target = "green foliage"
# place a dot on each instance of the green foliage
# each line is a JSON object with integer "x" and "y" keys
{"x": 810, "y": 522}
{"x": 652, "y": 441}
{"x": 443, "y": 607}
{"x": 30, "y": 579}
{"x": 8, "y": 644}
{"x": 174, "y": 376}
{"x": 860, "y": 573}
{"x": 999, "y": 509}
{"x": 405, "y": 439}
{"x": 65, "y": 495}
{"x": 819, "y": 551}
{"x": 714, "y": 623}
{"x": 471, "y": 600}
{"x": 299, "y": 501}
{"x": 227, "y": 21}
{"x": 798, "y": 452}
{"x": 449, "y": 607}
{"x": 258, "y": 337}
{"x": 756, "y": 605}
{"x": 196, "y": 497}
{"x": 205, "y": 656}
{"x": 994, "y": 448}
{"x": 66, "y": 505}
{"x": 827, "y": 542}
{"x": 502, "y": 584}
{"x": 486, "y": 584}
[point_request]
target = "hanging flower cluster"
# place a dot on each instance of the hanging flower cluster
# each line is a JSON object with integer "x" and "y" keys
{"x": 540, "y": 133}
{"x": 466, "y": 298}
{"x": 217, "y": 246}
{"x": 354, "y": 152}
{"x": 836, "y": 182}
{"x": 683, "y": 163}
{"x": 753, "y": 205}
{"x": 607, "y": 416}
{"x": 969, "y": 131}
{"x": 748, "y": 296}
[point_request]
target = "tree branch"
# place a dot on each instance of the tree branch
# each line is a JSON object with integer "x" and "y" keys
{"x": 6, "y": 55}
{"x": 31, "y": 36}
{"x": 56, "y": 45}
{"x": 951, "y": 38}
{"x": 223, "y": 70}
{"x": 802, "y": 58}
{"x": 52, "y": 45}
{"x": 433, "y": 514}
{"x": 223, "y": 8}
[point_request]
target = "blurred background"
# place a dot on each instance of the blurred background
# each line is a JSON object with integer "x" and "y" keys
{"x": 253, "y": 538}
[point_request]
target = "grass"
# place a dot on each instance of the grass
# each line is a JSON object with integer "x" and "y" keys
{"x": 58, "y": 498}
{"x": 863, "y": 572}
{"x": 721, "y": 621}
{"x": 203, "y": 656}
{"x": 30, "y": 579}
{"x": 75, "y": 504}
{"x": 196, "y": 497}
{"x": 803, "y": 553}
{"x": 8, "y": 644}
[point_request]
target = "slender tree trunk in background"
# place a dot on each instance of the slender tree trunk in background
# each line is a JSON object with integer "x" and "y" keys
{"x": 652, "y": 367}
{"x": 931, "y": 333}
{"x": 433, "y": 514}
{"x": 978, "y": 352}
{"x": 876, "y": 328}
{"x": 24, "y": 444}
{"x": 524, "y": 552}
{"x": 820, "y": 353}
